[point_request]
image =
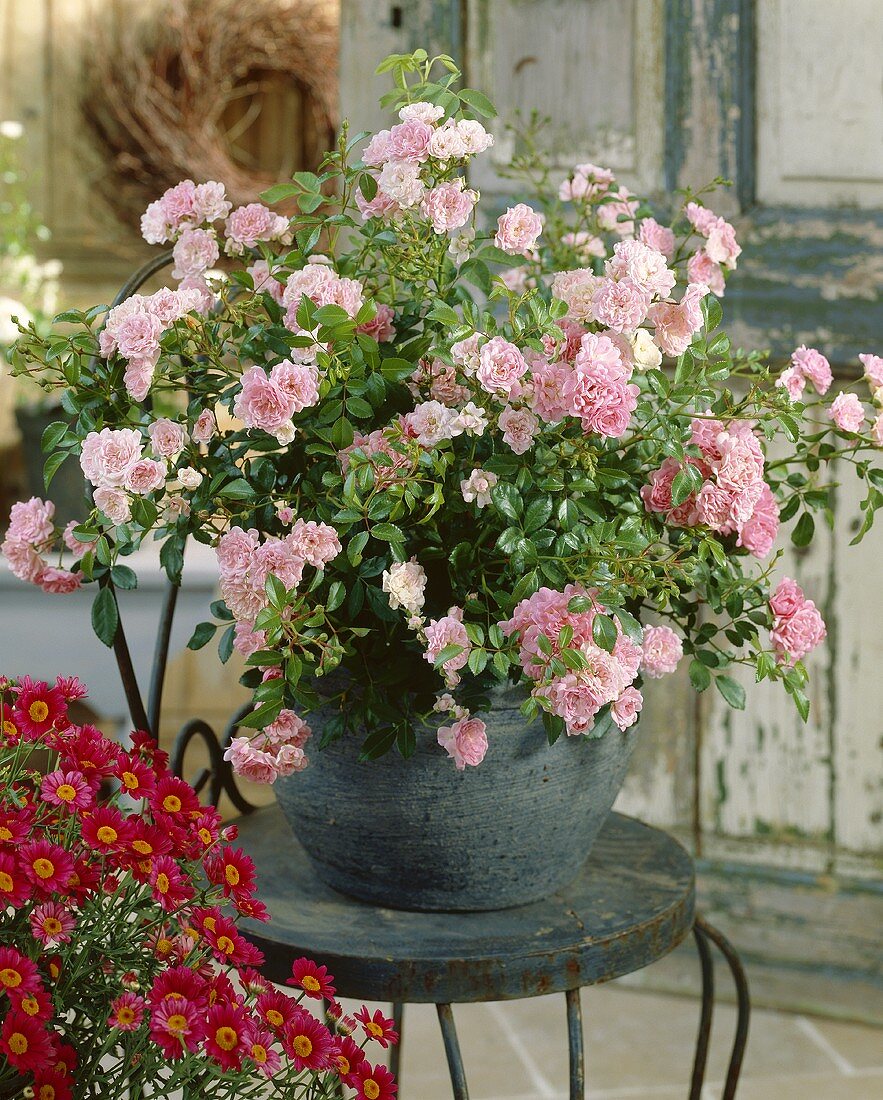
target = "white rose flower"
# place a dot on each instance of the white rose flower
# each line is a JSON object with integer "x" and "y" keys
{"x": 189, "y": 478}
{"x": 646, "y": 354}
{"x": 404, "y": 582}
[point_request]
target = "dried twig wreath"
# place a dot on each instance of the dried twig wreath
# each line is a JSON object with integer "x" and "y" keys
{"x": 242, "y": 91}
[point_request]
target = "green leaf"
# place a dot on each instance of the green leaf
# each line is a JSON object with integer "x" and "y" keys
{"x": 396, "y": 369}
{"x": 52, "y": 464}
{"x": 604, "y": 632}
{"x": 537, "y": 513}
{"x": 225, "y": 645}
{"x": 171, "y": 558}
{"x": 733, "y": 692}
{"x": 686, "y": 481}
{"x": 700, "y": 677}
{"x": 105, "y": 616}
{"x": 202, "y": 635}
{"x": 507, "y": 500}
{"x": 448, "y": 653}
{"x": 53, "y": 435}
{"x": 478, "y": 101}
{"x": 124, "y": 577}
{"x": 804, "y": 530}
{"x": 336, "y": 596}
{"x": 630, "y": 626}
{"x": 378, "y": 742}
{"x": 388, "y": 532}
{"x": 278, "y": 192}
{"x": 238, "y": 489}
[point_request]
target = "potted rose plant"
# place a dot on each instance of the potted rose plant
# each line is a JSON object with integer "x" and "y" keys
{"x": 122, "y": 970}
{"x": 468, "y": 487}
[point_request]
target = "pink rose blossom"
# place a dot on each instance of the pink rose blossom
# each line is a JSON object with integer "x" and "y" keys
{"x": 167, "y": 438}
{"x": 627, "y": 707}
{"x": 465, "y": 742}
{"x": 247, "y": 225}
{"x": 262, "y": 403}
{"x": 176, "y": 207}
{"x": 235, "y": 553}
{"x": 644, "y": 266}
{"x": 59, "y": 581}
{"x": 793, "y": 381}
{"x": 814, "y": 367}
{"x": 500, "y": 366}
{"x": 210, "y": 203}
{"x": 741, "y": 462}
{"x": 714, "y": 506}
{"x": 146, "y": 476}
{"x": 279, "y": 558}
{"x": 138, "y": 376}
{"x": 702, "y": 269}
{"x": 676, "y": 323}
{"x": 448, "y": 205}
{"x": 77, "y": 548}
{"x": 400, "y": 181}
{"x": 440, "y": 379}
{"x": 465, "y": 354}
{"x": 477, "y": 487}
{"x": 195, "y": 251}
{"x": 700, "y": 217}
{"x": 721, "y": 246}
{"x": 113, "y": 503}
{"x": 873, "y": 365}
{"x": 547, "y": 398}
{"x": 657, "y": 236}
{"x": 621, "y": 306}
{"x": 588, "y": 182}
{"x": 316, "y": 543}
{"x": 311, "y": 282}
{"x": 201, "y": 294}
{"x": 518, "y": 229}
{"x": 107, "y": 456}
{"x": 597, "y": 389}
{"x": 31, "y": 521}
{"x": 446, "y": 143}
{"x": 137, "y": 336}
{"x": 657, "y": 494}
{"x": 298, "y": 381}
{"x": 584, "y": 244}
{"x": 378, "y": 207}
{"x": 380, "y": 327}
{"x": 576, "y": 289}
{"x": 618, "y": 214}
{"x": 377, "y": 150}
{"x": 758, "y": 534}
{"x": 662, "y": 650}
{"x": 519, "y": 428}
{"x": 262, "y": 277}
{"x": 877, "y": 430}
{"x": 276, "y": 751}
{"x": 431, "y": 423}
{"x": 422, "y": 112}
{"x": 23, "y": 560}
{"x": 410, "y": 140}
{"x": 204, "y": 428}
{"x": 448, "y": 630}
{"x": 797, "y": 625}
{"x": 847, "y": 412}
{"x": 474, "y": 136}
{"x": 170, "y": 305}
{"x": 247, "y": 640}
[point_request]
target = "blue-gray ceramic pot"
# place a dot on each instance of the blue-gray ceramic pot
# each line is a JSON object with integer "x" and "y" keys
{"x": 418, "y": 834}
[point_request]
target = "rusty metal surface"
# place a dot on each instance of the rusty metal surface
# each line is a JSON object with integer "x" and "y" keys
{"x": 631, "y": 904}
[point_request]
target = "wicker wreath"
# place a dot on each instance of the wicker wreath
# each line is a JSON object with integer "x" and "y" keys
{"x": 160, "y": 92}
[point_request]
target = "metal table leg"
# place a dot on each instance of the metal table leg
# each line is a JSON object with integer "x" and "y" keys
{"x": 575, "y": 1045}
{"x": 452, "y": 1050}
{"x": 704, "y": 932}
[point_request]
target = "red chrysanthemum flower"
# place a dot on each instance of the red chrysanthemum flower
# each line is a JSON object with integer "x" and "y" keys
{"x": 251, "y": 908}
{"x": 179, "y": 983}
{"x": 207, "y": 827}
{"x": 228, "y": 946}
{"x": 175, "y": 800}
{"x": 71, "y": 688}
{"x": 307, "y": 1042}
{"x": 226, "y": 1035}
{"x": 136, "y": 778}
{"x": 39, "y": 708}
{"x": 348, "y": 1059}
{"x": 84, "y": 881}
{"x": 145, "y": 747}
{"x": 66, "y": 1060}
{"x": 253, "y": 981}
{"x": 144, "y": 843}
{"x": 15, "y": 889}
{"x": 168, "y": 886}
{"x": 175, "y": 1026}
{"x": 106, "y": 830}
{"x": 276, "y": 1009}
{"x": 49, "y": 1084}
{"x": 221, "y": 990}
{"x": 314, "y": 980}
{"x": 33, "y": 1002}
{"x": 377, "y": 1026}
{"x": 15, "y": 824}
{"x": 47, "y": 865}
{"x": 68, "y": 790}
{"x": 25, "y": 1042}
{"x": 231, "y": 869}
{"x": 259, "y": 1048}
{"x": 10, "y": 734}
{"x": 374, "y": 1083}
{"x": 126, "y": 1011}
{"x": 52, "y": 923}
{"x": 90, "y": 752}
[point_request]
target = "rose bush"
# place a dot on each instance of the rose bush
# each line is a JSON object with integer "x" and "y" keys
{"x": 442, "y": 455}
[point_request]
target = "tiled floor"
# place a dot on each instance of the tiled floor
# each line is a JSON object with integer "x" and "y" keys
{"x": 639, "y": 1046}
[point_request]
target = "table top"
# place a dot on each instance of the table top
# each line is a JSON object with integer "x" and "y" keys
{"x": 631, "y": 904}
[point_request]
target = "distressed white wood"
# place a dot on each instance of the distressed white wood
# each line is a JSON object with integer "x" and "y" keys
{"x": 820, "y": 105}
{"x": 593, "y": 69}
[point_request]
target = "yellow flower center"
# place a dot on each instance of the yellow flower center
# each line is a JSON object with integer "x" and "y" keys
{"x": 171, "y": 804}
{"x": 125, "y": 1015}
{"x": 231, "y": 875}
{"x": 142, "y": 847}
{"x": 107, "y": 834}
{"x": 130, "y": 781}
{"x": 18, "y": 1043}
{"x": 258, "y": 1053}
{"x": 205, "y": 836}
{"x": 66, "y": 792}
{"x": 9, "y": 728}
{"x": 226, "y": 1038}
{"x": 51, "y": 926}
{"x": 371, "y": 1089}
{"x": 209, "y": 923}
{"x": 225, "y": 944}
{"x": 30, "y": 1005}
{"x": 177, "y": 1022}
{"x": 47, "y": 1092}
{"x": 375, "y": 1029}
{"x": 54, "y": 971}
{"x": 343, "y": 1063}
{"x": 303, "y": 1048}
{"x": 274, "y": 1017}
{"x": 44, "y": 868}
{"x": 38, "y": 711}
{"x": 10, "y": 977}
{"x": 164, "y": 946}
{"x": 5, "y": 834}
{"x": 162, "y": 882}
{"x": 310, "y": 983}
{"x": 6, "y": 883}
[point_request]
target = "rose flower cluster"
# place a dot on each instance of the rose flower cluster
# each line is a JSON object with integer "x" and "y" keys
{"x": 439, "y": 449}
{"x": 121, "y": 963}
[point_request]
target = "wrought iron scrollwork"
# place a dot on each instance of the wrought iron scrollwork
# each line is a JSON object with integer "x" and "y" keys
{"x": 218, "y": 777}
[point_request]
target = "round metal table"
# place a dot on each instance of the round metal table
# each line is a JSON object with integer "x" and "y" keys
{"x": 632, "y": 903}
